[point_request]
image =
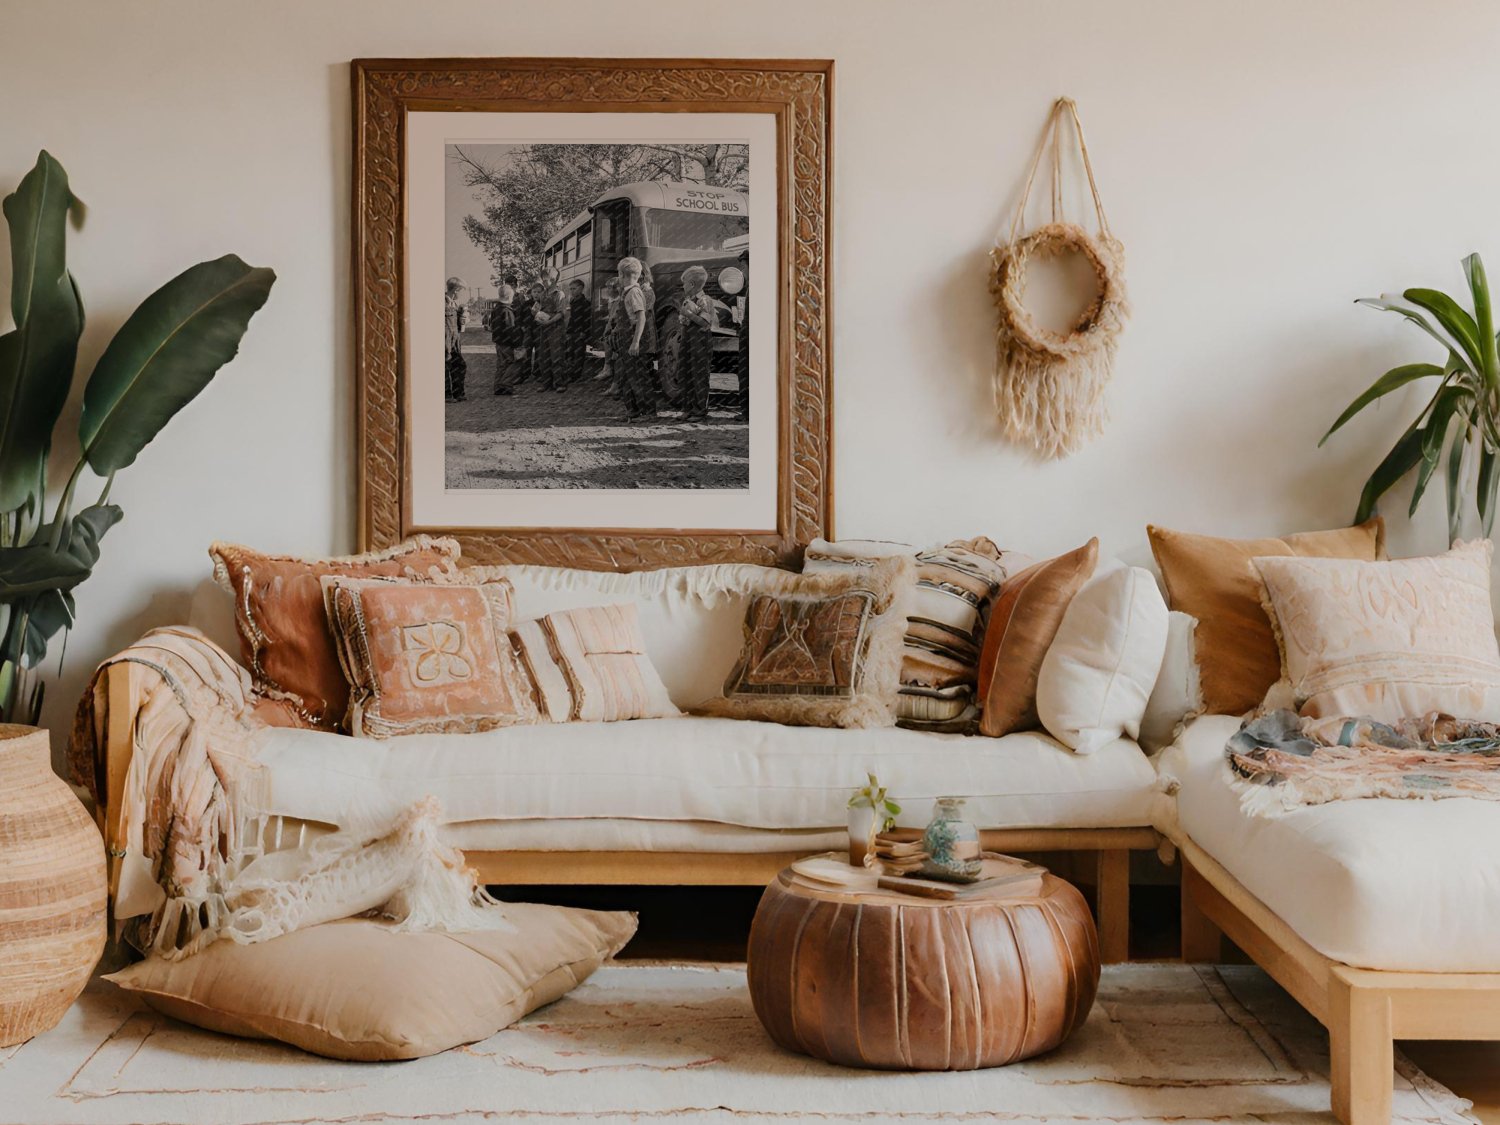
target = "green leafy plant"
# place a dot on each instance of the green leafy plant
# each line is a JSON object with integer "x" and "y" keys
{"x": 164, "y": 354}
{"x": 1457, "y": 427}
{"x": 873, "y": 796}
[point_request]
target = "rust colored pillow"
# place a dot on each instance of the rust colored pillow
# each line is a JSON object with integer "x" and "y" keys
{"x": 284, "y": 635}
{"x": 427, "y": 657}
{"x": 1023, "y": 622}
{"x": 1214, "y": 580}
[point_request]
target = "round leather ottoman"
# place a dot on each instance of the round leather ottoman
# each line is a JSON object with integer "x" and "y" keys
{"x": 883, "y": 979}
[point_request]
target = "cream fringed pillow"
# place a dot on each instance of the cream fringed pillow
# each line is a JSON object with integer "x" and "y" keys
{"x": 425, "y": 657}
{"x": 590, "y": 665}
{"x": 356, "y": 990}
{"x": 1388, "y": 640}
{"x": 823, "y": 650}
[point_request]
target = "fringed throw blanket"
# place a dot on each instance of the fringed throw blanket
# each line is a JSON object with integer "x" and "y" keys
{"x": 191, "y": 841}
{"x": 1281, "y": 761}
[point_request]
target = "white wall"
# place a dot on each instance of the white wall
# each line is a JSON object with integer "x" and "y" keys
{"x": 1264, "y": 164}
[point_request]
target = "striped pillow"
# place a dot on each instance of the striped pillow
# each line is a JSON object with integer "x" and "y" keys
{"x": 956, "y": 583}
{"x": 590, "y": 665}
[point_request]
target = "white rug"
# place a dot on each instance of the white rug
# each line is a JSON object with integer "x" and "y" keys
{"x": 646, "y": 1042}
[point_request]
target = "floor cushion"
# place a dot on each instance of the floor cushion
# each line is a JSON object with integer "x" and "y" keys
{"x": 357, "y": 990}
{"x": 1379, "y": 884}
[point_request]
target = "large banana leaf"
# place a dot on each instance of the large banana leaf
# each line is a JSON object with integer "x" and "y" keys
{"x": 166, "y": 353}
{"x": 37, "y": 356}
{"x": 1392, "y": 380}
{"x": 37, "y": 567}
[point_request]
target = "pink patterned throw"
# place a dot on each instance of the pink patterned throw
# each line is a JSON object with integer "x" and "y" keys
{"x": 1280, "y": 761}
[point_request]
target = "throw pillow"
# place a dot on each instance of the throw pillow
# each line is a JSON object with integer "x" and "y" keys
{"x": 823, "y": 649}
{"x": 1177, "y": 695}
{"x": 1388, "y": 640}
{"x": 956, "y": 584}
{"x": 1214, "y": 581}
{"x": 357, "y": 990}
{"x": 425, "y": 657}
{"x": 1026, "y": 617}
{"x": 285, "y": 640}
{"x": 590, "y": 665}
{"x": 1099, "y": 670}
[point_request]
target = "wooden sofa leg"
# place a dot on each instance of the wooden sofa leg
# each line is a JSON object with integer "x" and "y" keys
{"x": 1361, "y": 1052}
{"x": 1202, "y": 941}
{"x": 1112, "y": 886}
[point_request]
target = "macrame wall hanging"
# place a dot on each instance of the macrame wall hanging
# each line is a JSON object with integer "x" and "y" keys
{"x": 1049, "y": 386}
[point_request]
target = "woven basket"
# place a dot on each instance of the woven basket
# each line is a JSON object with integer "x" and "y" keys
{"x": 52, "y": 889}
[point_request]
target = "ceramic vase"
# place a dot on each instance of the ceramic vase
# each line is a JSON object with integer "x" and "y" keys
{"x": 951, "y": 843}
{"x": 52, "y": 888}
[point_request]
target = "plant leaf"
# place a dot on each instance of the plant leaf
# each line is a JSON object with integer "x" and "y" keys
{"x": 1445, "y": 404}
{"x": 35, "y": 568}
{"x": 1488, "y": 480}
{"x": 1402, "y": 458}
{"x": 1393, "y": 379}
{"x": 37, "y": 356}
{"x": 168, "y": 351}
{"x": 1484, "y": 316}
{"x": 1455, "y": 476}
{"x": 1454, "y": 319}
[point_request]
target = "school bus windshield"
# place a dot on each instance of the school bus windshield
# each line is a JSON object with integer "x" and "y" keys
{"x": 691, "y": 230}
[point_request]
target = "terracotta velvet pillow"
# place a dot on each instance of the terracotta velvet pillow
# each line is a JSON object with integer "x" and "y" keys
{"x": 823, "y": 649}
{"x": 1215, "y": 581}
{"x": 285, "y": 640}
{"x": 1025, "y": 619}
{"x": 427, "y": 657}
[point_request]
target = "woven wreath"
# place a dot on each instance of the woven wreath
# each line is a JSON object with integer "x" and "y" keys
{"x": 1049, "y": 386}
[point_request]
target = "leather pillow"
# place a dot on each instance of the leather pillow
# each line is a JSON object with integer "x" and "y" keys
{"x": 1025, "y": 619}
{"x": 285, "y": 639}
{"x": 357, "y": 990}
{"x": 1215, "y": 581}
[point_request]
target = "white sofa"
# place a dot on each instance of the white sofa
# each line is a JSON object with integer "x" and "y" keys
{"x": 694, "y": 800}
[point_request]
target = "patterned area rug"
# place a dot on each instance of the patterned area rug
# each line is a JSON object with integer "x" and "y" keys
{"x": 641, "y": 1042}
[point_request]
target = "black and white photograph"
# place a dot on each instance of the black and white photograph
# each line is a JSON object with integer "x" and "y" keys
{"x": 596, "y": 315}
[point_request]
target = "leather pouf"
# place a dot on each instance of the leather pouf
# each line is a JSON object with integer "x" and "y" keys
{"x": 896, "y": 982}
{"x": 52, "y": 888}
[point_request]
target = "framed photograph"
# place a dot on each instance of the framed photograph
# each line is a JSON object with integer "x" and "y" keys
{"x": 592, "y": 307}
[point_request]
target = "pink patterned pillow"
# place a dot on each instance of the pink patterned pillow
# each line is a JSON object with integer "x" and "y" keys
{"x": 590, "y": 665}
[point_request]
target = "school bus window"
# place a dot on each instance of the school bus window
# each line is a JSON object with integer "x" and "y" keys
{"x": 585, "y": 241}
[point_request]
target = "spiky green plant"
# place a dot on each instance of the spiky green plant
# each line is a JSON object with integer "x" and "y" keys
{"x": 1457, "y": 427}
{"x": 163, "y": 355}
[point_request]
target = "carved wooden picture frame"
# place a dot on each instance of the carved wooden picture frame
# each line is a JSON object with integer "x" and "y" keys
{"x": 388, "y": 97}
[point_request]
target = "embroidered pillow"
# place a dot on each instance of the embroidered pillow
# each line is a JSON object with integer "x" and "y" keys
{"x": 1213, "y": 580}
{"x": 823, "y": 649}
{"x": 424, "y": 657}
{"x": 1387, "y": 640}
{"x": 590, "y": 665}
{"x": 284, "y": 634}
{"x": 956, "y": 584}
{"x": 1026, "y": 617}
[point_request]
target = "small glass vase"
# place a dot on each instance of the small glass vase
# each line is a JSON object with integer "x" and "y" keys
{"x": 951, "y": 843}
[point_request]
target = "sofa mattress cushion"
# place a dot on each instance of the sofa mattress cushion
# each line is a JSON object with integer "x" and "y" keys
{"x": 730, "y": 771}
{"x": 1379, "y": 884}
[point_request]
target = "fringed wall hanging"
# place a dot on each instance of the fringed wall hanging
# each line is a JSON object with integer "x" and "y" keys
{"x": 1049, "y": 386}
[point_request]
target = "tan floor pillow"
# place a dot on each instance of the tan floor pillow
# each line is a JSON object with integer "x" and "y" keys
{"x": 358, "y": 990}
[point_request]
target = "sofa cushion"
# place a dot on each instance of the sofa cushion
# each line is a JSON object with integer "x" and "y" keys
{"x": 731, "y": 771}
{"x": 1375, "y": 883}
{"x": 590, "y": 665}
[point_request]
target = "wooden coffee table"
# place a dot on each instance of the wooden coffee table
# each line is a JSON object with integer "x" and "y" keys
{"x": 874, "y": 978}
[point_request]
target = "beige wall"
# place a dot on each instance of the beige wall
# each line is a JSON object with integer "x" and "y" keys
{"x": 1264, "y": 164}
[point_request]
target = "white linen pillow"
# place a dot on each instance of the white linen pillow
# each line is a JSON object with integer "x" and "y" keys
{"x": 1100, "y": 669}
{"x": 1388, "y": 640}
{"x": 1178, "y": 694}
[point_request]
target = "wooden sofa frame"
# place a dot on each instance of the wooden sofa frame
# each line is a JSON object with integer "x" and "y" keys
{"x": 1111, "y": 846}
{"x": 1364, "y": 1010}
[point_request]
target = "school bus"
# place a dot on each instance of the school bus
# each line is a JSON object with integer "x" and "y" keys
{"x": 669, "y": 225}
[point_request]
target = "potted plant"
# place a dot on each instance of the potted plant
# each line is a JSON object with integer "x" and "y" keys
{"x": 52, "y": 870}
{"x": 1457, "y": 427}
{"x": 163, "y": 355}
{"x": 871, "y": 811}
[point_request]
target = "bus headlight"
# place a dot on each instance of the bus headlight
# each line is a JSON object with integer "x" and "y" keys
{"x": 731, "y": 279}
